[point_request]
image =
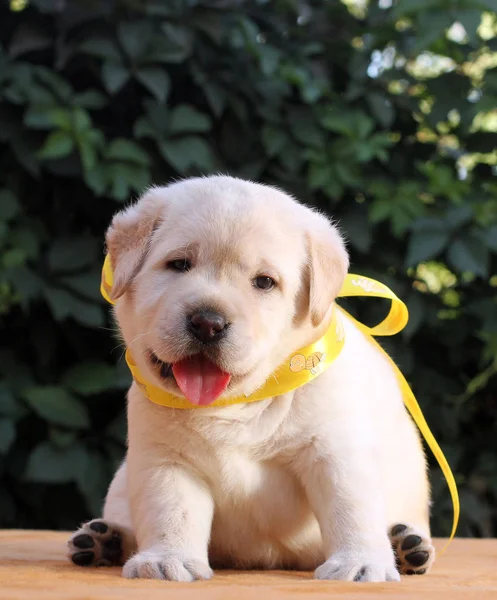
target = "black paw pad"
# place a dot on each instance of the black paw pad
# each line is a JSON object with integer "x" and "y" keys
{"x": 99, "y": 527}
{"x": 398, "y": 529}
{"x": 411, "y": 542}
{"x": 83, "y": 559}
{"x": 412, "y": 572}
{"x": 417, "y": 559}
{"x": 360, "y": 575}
{"x": 83, "y": 541}
{"x": 112, "y": 550}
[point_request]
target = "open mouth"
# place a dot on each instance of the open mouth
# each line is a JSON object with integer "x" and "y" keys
{"x": 165, "y": 369}
{"x": 200, "y": 380}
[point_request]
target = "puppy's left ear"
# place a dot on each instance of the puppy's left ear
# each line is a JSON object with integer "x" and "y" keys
{"x": 328, "y": 263}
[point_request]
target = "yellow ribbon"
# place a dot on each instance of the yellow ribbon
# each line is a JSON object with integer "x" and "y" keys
{"x": 307, "y": 363}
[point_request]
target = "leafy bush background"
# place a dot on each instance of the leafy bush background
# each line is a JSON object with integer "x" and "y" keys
{"x": 382, "y": 115}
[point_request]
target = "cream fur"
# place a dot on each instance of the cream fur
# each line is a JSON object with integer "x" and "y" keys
{"x": 313, "y": 478}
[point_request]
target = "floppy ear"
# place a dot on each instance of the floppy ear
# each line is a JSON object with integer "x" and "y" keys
{"x": 328, "y": 262}
{"x": 128, "y": 238}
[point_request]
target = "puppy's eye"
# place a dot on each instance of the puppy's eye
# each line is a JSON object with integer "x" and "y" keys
{"x": 181, "y": 265}
{"x": 263, "y": 282}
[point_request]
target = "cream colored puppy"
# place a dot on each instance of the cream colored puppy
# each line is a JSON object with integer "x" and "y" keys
{"x": 216, "y": 282}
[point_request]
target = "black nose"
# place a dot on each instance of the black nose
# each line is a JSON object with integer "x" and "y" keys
{"x": 207, "y": 325}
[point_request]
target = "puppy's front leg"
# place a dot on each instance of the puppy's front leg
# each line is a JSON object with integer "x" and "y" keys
{"x": 345, "y": 492}
{"x": 172, "y": 514}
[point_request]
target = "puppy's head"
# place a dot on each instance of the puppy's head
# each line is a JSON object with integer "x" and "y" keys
{"x": 218, "y": 281}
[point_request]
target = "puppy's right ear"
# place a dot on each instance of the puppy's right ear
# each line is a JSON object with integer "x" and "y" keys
{"x": 128, "y": 238}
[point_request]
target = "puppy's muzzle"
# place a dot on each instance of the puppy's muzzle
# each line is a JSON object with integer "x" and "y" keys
{"x": 208, "y": 326}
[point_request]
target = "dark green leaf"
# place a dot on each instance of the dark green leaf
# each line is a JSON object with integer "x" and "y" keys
{"x": 275, "y": 140}
{"x": 124, "y": 150}
{"x": 216, "y": 97}
{"x": 9, "y": 206}
{"x": 145, "y": 128}
{"x": 490, "y": 238}
{"x": 47, "y": 117}
{"x": 69, "y": 254}
{"x": 27, "y": 38}
{"x": 9, "y": 406}
{"x": 305, "y": 129}
{"x": 123, "y": 376}
{"x": 57, "y": 145}
{"x": 57, "y": 406}
{"x": 187, "y": 152}
{"x": 64, "y": 305}
{"x": 54, "y": 82}
{"x": 27, "y": 283}
{"x": 7, "y": 435}
{"x": 90, "y": 378}
{"x": 178, "y": 44}
{"x": 115, "y": 76}
{"x": 27, "y": 240}
{"x": 425, "y": 245}
{"x": 93, "y": 481}
{"x": 430, "y": 224}
{"x": 319, "y": 176}
{"x": 91, "y": 99}
{"x": 468, "y": 253}
{"x": 432, "y": 25}
{"x": 380, "y": 210}
{"x": 125, "y": 177}
{"x": 356, "y": 228}
{"x": 134, "y": 37}
{"x": 24, "y": 149}
{"x": 352, "y": 123}
{"x": 48, "y": 464}
{"x": 8, "y": 508}
{"x": 158, "y": 116}
{"x": 118, "y": 429}
{"x": 96, "y": 179}
{"x": 470, "y": 19}
{"x": 102, "y": 48}
{"x": 212, "y": 24}
{"x": 417, "y": 311}
{"x": 156, "y": 80}
{"x": 381, "y": 108}
{"x": 62, "y": 438}
{"x": 87, "y": 153}
{"x": 80, "y": 120}
{"x": 458, "y": 216}
{"x": 85, "y": 284}
{"x": 187, "y": 119}
{"x": 408, "y": 7}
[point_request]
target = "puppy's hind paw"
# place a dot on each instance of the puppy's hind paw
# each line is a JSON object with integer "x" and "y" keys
{"x": 96, "y": 544}
{"x": 413, "y": 549}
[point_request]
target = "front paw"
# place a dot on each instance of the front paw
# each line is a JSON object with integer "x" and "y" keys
{"x": 171, "y": 566}
{"x": 349, "y": 565}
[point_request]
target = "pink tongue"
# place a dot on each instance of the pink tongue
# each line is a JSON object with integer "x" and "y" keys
{"x": 201, "y": 381}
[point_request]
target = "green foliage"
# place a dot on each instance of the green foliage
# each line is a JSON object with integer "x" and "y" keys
{"x": 382, "y": 117}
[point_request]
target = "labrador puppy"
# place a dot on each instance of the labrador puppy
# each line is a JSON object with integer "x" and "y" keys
{"x": 216, "y": 282}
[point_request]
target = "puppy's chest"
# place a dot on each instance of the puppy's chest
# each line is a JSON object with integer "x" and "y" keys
{"x": 242, "y": 481}
{"x": 251, "y": 460}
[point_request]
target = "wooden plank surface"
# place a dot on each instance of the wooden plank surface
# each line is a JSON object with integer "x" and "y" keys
{"x": 33, "y": 566}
